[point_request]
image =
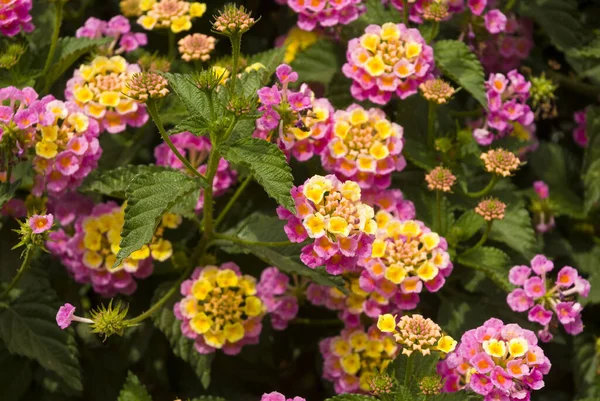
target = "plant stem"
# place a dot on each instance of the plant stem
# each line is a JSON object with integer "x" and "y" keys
{"x": 575, "y": 84}
{"x": 232, "y": 201}
{"x": 29, "y": 251}
{"x": 485, "y": 190}
{"x": 438, "y": 217}
{"x": 171, "y": 45}
{"x": 9, "y": 170}
{"x": 154, "y": 114}
{"x": 435, "y": 29}
{"x": 156, "y": 306}
{"x": 408, "y": 372}
{"x": 405, "y": 12}
{"x": 213, "y": 162}
{"x": 236, "y": 43}
{"x": 247, "y": 242}
{"x": 431, "y": 115}
{"x": 58, "y": 15}
{"x": 481, "y": 241}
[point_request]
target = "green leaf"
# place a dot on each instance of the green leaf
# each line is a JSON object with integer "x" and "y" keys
{"x": 586, "y": 364}
{"x": 467, "y": 225}
{"x": 318, "y": 63}
{"x": 491, "y": 261}
{"x": 419, "y": 154}
{"x": 351, "y": 397}
{"x": 587, "y": 262}
{"x": 28, "y": 328}
{"x": 133, "y": 390}
{"x": 558, "y": 19}
{"x": 516, "y": 231}
{"x": 7, "y": 191}
{"x": 197, "y": 125}
{"x": 15, "y": 375}
{"x": 182, "y": 346}
{"x": 592, "y": 150}
{"x": 420, "y": 366}
{"x": 68, "y": 51}
{"x": 591, "y": 181}
{"x": 194, "y": 100}
{"x": 114, "y": 182}
{"x": 271, "y": 59}
{"x": 457, "y": 61}
{"x": 338, "y": 91}
{"x": 262, "y": 228}
{"x": 149, "y": 196}
{"x": 268, "y": 165}
{"x": 378, "y": 14}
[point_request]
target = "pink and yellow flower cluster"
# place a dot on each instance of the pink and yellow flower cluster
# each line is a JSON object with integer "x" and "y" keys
{"x": 547, "y": 301}
{"x": 388, "y": 59}
{"x": 326, "y": 13}
{"x": 20, "y": 112}
{"x": 176, "y": 15}
{"x": 118, "y": 28}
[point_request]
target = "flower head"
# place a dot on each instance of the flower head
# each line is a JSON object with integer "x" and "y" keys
{"x": 144, "y": 86}
{"x": 176, "y": 15}
{"x": 117, "y": 28}
{"x": 326, "y": 13}
{"x": 415, "y": 333}
{"x": 196, "y": 47}
{"x": 109, "y": 320}
{"x": 430, "y": 385}
{"x": 382, "y": 383}
{"x": 15, "y": 16}
{"x": 41, "y": 223}
{"x": 233, "y": 20}
{"x": 437, "y": 90}
{"x": 440, "y": 179}
{"x": 275, "y": 396}
{"x": 491, "y": 209}
{"x": 277, "y": 294}
{"x": 500, "y": 162}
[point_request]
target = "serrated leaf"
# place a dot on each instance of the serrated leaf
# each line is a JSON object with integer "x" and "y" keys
{"x": 591, "y": 181}
{"x": 491, "y": 261}
{"x": 262, "y": 228}
{"x": 419, "y": 154}
{"x": 115, "y": 182}
{"x": 377, "y": 13}
{"x": 197, "y": 125}
{"x": 182, "y": 346}
{"x": 318, "y": 63}
{"x": 420, "y": 366}
{"x": 68, "y": 51}
{"x": 7, "y": 191}
{"x": 459, "y": 63}
{"x": 195, "y": 101}
{"x": 15, "y": 375}
{"x": 351, "y": 397}
{"x": 466, "y": 226}
{"x": 133, "y": 390}
{"x": 28, "y": 328}
{"x": 268, "y": 165}
{"x": 149, "y": 196}
{"x": 558, "y": 19}
{"x": 516, "y": 231}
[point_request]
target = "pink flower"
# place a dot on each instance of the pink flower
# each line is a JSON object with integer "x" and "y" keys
{"x": 477, "y": 6}
{"x": 275, "y": 396}
{"x": 326, "y": 13}
{"x": 519, "y": 301}
{"x": 534, "y": 287}
{"x": 41, "y": 223}
{"x": 285, "y": 74}
{"x": 495, "y": 21}
{"x": 519, "y": 274}
{"x": 541, "y": 189}
{"x": 566, "y": 276}
{"x": 541, "y": 265}
{"x": 66, "y": 315}
{"x": 539, "y": 315}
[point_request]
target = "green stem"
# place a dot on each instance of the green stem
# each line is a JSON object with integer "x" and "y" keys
{"x": 213, "y": 162}
{"x": 58, "y": 15}
{"x": 435, "y": 29}
{"x": 431, "y": 115}
{"x": 9, "y": 170}
{"x": 29, "y": 251}
{"x": 405, "y": 12}
{"x": 172, "y": 45}
{"x": 151, "y": 106}
{"x": 232, "y": 201}
{"x": 485, "y": 190}
{"x": 161, "y": 301}
{"x": 575, "y": 84}
{"x": 408, "y": 372}
{"x": 468, "y": 113}
{"x": 247, "y": 242}
{"x": 236, "y": 43}
{"x": 438, "y": 217}
{"x": 481, "y": 241}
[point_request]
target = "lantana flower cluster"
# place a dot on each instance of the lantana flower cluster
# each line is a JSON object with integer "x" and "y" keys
{"x": 176, "y": 15}
{"x": 436, "y": 10}
{"x": 547, "y": 301}
{"x": 330, "y": 212}
{"x": 275, "y": 396}
{"x": 220, "y": 309}
{"x": 19, "y": 114}
{"x": 196, "y": 46}
{"x": 326, "y": 13}
{"x": 15, "y": 16}
{"x": 196, "y": 149}
{"x": 118, "y": 28}
{"x": 100, "y": 88}
{"x": 507, "y": 103}
{"x": 498, "y": 361}
{"x": 67, "y": 147}
{"x": 91, "y": 251}
{"x": 275, "y": 291}
{"x": 352, "y": 359}
{"x": 388, "y": 59}
{"x": 365, "y": 147}
{"x": 296, "y": 41}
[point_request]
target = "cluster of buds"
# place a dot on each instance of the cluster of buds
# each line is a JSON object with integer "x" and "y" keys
{"x": 352, "y": 359}
{"x": 507, "y": 104}
{"x": 233, "y": 20}
{"x": 117, "y": 28}
{"x": 543, "y": 98}
{"x": 388, "y": 59}
{"x": 500, "y": 162}
{"x": 196, "y": 46}
{"x": 440, "y": 179}
{"x": 491, "y": 209}
{"x": 11, "y": 55}
{"x": 34, "y": 230}
{"x": 326, "y": 13}
{"x": 90, "y": 252}
{"x": 220, "y": 309}
{"x": 497, "y": 361}
{"x": 547, "y": 301}
{"x": 365, "y": 147}
{"x": 330, "y": 212}
{"x": 98, "y": 88}
{"x": 430, "y": 10}
{"x": 196, "y": 149}
{"x": 145, "y": 86}
{"x": 175, "y": 15}
{"x": 416, "y": 333}
{"x": 154, "y": 62}
{"x": 437, "y": 90}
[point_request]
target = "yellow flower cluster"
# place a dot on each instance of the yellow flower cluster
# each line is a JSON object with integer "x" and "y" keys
{"x": 223, "y": 307}
{"x": 296, "y": 41}
{"x": 102, "y": 236}
{"x": 362, "y": 354}
{"x": 174, "y": 14}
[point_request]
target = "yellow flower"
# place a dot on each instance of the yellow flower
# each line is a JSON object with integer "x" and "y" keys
{"x": 358, "y": 340}
{"x": 446, "y": 344}
{"x": 233, "y": 332}
{"x": 390, "y": 31}
{"x": 147, "y": 22}
{"x": 379, "y": 151}
{"x": 427, "y": 271}
{"x": 375, "y": 66}
{"x": 46, "y": 149}
{"x": 413, "y": 49}
{"x": 315, "y": 225}
{"x": 386, "y": 323}
{"x": 110, "y": 99}
{"x": 201, "y": 323}
{"x": 316, "y": 187}
{"x": 337, "y": 225}
{"x": 141, "y": 254}
{"x": 340, "y": 348}
{"x": 370, "y": 41}
{"x": 430, "y": 240}
{"x": 351, "y": 191}
{"x": 350, "y": 364}
{"x": 201, "y": 289}
{"x": 181, "y": 24}
{"x": 254, "y": 306}
{"x": 378, "y": 248}
{"x": 518, "y": 347}
{"x": 410, "y": 229}
{"x": 227, "y": 278}
{"x": 161, "y": 250}
{"x": 197, "y": 9}
{"x": 495, "y": 348}
{"x": 215, "y": 339}
{"x": 395, "y": 273}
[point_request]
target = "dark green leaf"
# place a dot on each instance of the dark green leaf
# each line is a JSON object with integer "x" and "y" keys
{"x": 457, "y": 61}
{"x": 491, "y": 261}
{"x": 133, "y": 390}
{"x": 377, "y": 13}
{"x": 15, "y": 375}
{"x": 338, "y": 91}
{"x": 28, "y": 328}
{"x": 419, "y": 154}
{"x": 516, "y": 231}
{"x": 465, "y": 227}
{"x": 591, "y": 181}
{"x": 592, "y": 150}
{"x": 194, "y": 100}
{"x": 197, "y": 125}
{"x": 268, "y": 165}
{"x": 420, "y": 366}
{"x": 7, "y": 190}
{"x": 318, "y": 63}
{"x": 115, "y": 182}
{"x": 149, "y": 196}
{"x": 271, "y": 59}
{"x": 586, "y": 366}
{"x": 587, "y": 262}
